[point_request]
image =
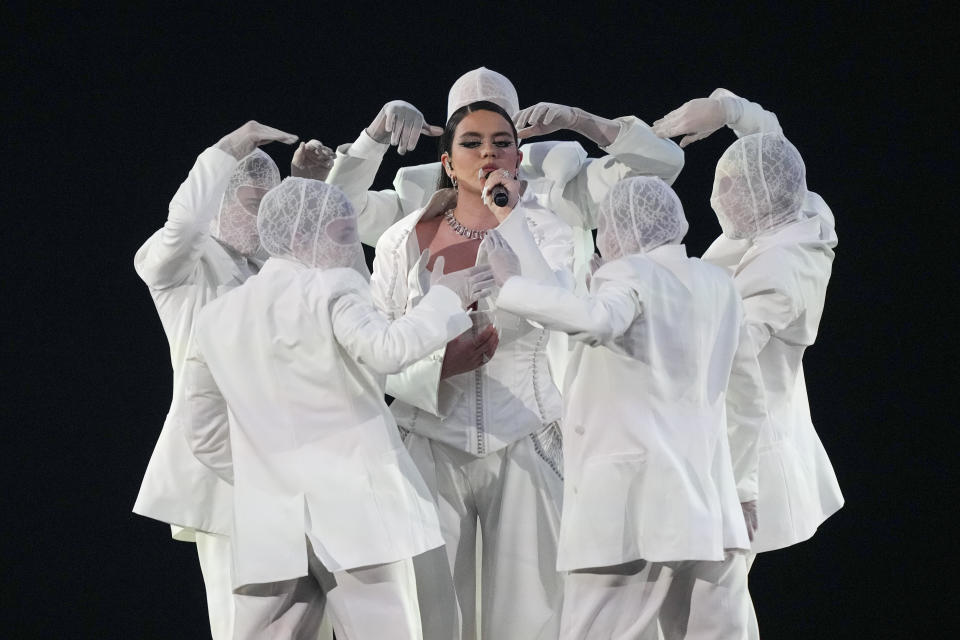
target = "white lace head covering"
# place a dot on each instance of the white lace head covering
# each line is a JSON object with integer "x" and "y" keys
{"x": 638, "y": 215}
{"x": 483, "y": 84}
{"x": 759, "y": 185}
{"x": 236, "y": 222}
{"x": 313, "y": 223}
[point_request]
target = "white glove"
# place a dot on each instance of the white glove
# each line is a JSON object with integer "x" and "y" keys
{"x": 750, "y": 517}
{"x": 502, "y": 260}
{"x": 401, "y": 124}
{"x": 243, "y": 141}
{"x": 509, "y": 182}
{"x": 596, "y": 261}
{"x": 547, "y": 117}
{"x": 470, "y": 284}
{"x": 312, "y": 160}
{"x": 695, "y": 120}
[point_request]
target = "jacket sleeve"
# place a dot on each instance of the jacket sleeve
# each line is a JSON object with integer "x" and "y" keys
{"x": 753, "y": 118}
{"x": 419, "y": 384}
{"x": 390, "y": 346}
{"x": 354, "y": 171}
{"x": 746, "y": 414}
{"x": 207, "y": 429}
{"x": 636, "y": 151}
{"x": 533, "y": 262}
{"x": 598, "y": 317}
{"x": 772, "y": 300}
{"x": 172, "y": 253}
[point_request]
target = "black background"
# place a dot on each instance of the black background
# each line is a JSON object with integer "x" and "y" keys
{"x": 111, "y": 104}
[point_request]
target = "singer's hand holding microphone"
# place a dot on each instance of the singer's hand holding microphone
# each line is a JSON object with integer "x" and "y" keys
{"x": 501, "y": 192}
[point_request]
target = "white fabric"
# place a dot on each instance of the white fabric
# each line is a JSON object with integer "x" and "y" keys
{"x": 637, "y": 215}
{"x": 782, "y": 278}
{"x": 236, "y": 222}
{"x": 511, "y": 396}
{"x": 215, "y": 564}
{"x": 483, "y": 84}
{"x": 365, "y": 603}
{"x": 514, "y": 495}
{"x": 312, "y": 222}
{"x": 185, "y": 268}
{"x": 759, "y": 186}
{"x": 691, "y": 600}
{"x": 648, "y": 469}
{"x": 312, "y": 446}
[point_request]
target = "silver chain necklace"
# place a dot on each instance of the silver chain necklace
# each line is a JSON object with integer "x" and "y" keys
{"x": 460, "y": 230}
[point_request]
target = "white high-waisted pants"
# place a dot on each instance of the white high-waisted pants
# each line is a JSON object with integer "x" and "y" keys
{"x": 515, "y": 495}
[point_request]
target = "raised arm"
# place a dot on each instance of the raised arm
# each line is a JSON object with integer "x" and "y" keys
{"x": 356, "y": 164}
{"x": 631, "y": 146}
{"x": 171, "y": 254}
{"x": 698, "y": 118}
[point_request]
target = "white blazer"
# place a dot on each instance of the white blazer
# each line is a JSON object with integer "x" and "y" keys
{"x": 648, "y": 470}
{"x": 285, "y": 392}
{"x": 783, "y": 280}
{"x": 185, "y": 268}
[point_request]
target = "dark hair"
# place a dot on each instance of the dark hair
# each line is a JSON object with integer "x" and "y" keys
{"x": 446, "y": 140}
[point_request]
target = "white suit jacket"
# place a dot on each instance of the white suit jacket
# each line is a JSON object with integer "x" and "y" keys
{"x": 513, "y": 395}
{"x": 285, "y": 391}
{"x": 185, "y": 268}
{"x": 783, "y": 278}
{"x": 648, "y": 470}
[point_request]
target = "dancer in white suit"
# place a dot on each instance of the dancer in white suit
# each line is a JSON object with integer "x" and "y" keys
{"x": 208, "y": 245}
{"x": 285, "y": 403}
{"x": 651, "y": 525}
{"x": 778, "y": 242}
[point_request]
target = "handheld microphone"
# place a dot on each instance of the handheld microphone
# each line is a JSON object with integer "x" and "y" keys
{"x": 500, "y": 194}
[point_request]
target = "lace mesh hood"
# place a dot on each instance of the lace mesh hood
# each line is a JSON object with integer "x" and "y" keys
{"x": 638, "y": 215}
{"x": 312, "y": 222}
{"x": 759, "y": 185}
{"x": 483, "y": 84}
{"x": 236, "y": 223}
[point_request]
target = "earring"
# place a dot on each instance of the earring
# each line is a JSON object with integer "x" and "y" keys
{"x": 453, "y": 179}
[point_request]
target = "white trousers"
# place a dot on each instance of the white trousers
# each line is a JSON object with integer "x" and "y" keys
{"x": 367, "y": 603}
{"x": 753, "y": 628}
{"x": 514, "y": 494}
{"x": 216, "y": 565}
{"x": 694, "y": 600}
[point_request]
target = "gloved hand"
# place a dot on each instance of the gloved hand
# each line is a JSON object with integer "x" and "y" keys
{"x": 401, "y": 124}
{"x": 243, "y": 141}
{"x": 470, "y": 284}
{"x": 503, "y": 262}
{"x": 596, "y": 261}
{"x": 697, "y": 118}
{"x": 312, "y": 160}
{"x": 750, "y": 517}
{"x": 509, "y": 182}
{"x": 547, "y": 117}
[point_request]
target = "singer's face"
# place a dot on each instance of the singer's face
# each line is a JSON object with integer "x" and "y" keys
{"x": 483, "y": 140}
